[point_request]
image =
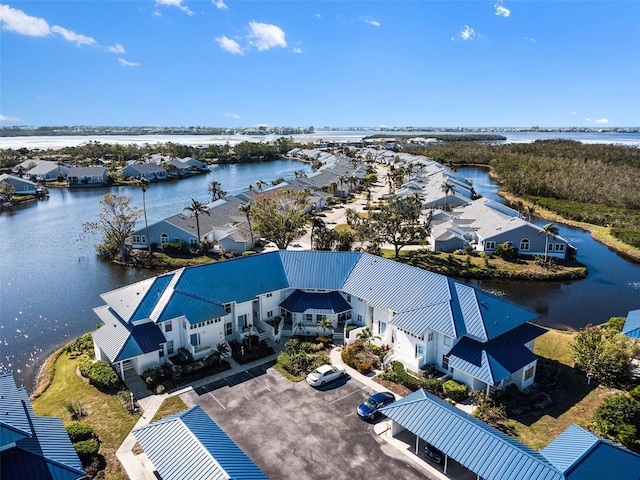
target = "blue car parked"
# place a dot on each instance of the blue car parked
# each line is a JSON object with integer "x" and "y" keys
{"x": 369, "y": 409}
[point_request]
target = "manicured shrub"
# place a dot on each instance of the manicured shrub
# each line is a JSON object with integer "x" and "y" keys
{"x": 103, "y": 376}
{"x": 635, "y": 393}
{"x": 360, "y": 358}
{"x": 456, "y": 391}
{"x": 618, "y": 417}
{"x": 84, "y": 363}
{"x": 79, "y": 431}
{"x": 399, "y": 375}
{"x": 87, "y": 450}
{"x": 83, "y": 344}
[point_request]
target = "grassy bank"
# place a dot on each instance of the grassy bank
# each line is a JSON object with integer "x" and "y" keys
{"x": 573, "y": 400}
{"x": 476, "y": 266}
{"x": 111, "y": 422}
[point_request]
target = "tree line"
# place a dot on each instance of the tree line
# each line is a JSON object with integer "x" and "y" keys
{"x": 592, "y": 183}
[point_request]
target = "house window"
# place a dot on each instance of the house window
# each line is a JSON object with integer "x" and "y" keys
{"x": 489, "y": 245}
{"x": 227, "y": 307}
{"x": 445, "y": 362}
{"x": 143, "y": 239}
{"x": 559, "y": 247}
{"x": 193, "y": 241}
{"x": 135, "y": 239}
{"x": 359, "y": 318}
{"x": 270, "y": 313}
{"x": 524, "y": 244}
{"x": 447, "y": 341}
{"x": 242, "y": 320}
{"x": 419, "y": 351}
{"x": 528, "y": 373}
{"x": 184, "y": 324}
{"x": 228, "y": 329}
{"x": 308, "y": 318}
{"x": 269, "y": 295}
{"x": 168, "y": 326}
{"x": 161, "y": 351}
{"x": 348, "y": 298}
{"x": 430, "y": 337}
{"x": 169, "y": 347}
{"x": 164, "y": 238}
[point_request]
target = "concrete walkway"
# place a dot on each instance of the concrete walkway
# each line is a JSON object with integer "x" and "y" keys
{"x": 139, "y": 466}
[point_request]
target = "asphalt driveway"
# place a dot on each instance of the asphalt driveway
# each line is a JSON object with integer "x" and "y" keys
{"x": 293, "y": 431}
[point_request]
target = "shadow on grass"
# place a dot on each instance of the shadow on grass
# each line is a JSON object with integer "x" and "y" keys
{"x": 558, "y": 388}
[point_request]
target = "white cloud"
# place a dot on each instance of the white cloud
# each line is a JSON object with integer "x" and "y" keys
{"x": 72, "y": 36}
{"x": 371, "y": 21}
{"x": 5, "y": 118}
{"x": 264, "y": 36}
{"x": 232, "y": 115}
{"x": 318, "y": 15}
{"x": 229, "y": 45}
{"x": 468, "y": 33}
{"x": 220, "y": 4}
{"x": 19, "y": 22}
{"x": 175, "y": 3}
{"x": 529, "y": 39}
{"x": 597, "y": 120}
{"x": 501, "y": 10}
{"x": 297, "y": 50}
{"x": 117, "y": 48}
{"x": 124, "y": 63}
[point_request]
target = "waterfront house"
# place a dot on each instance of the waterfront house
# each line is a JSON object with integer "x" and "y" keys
{"x": 47, "y": 171}
{"x": 224, "y": 224}
{"x": 484, "y": 224}
{"x": 427, "y": 319}
{"x": 576, "y": 454}
{"x": 189, "y": 445}
{"x": 20, "y": 186}
{"x": 31, "y": 446}
{"x": 196, "y": 165}
{"x": 87, "y": 176}
{"x": 150, "y": 171}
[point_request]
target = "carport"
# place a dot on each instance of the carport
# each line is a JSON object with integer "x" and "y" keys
{"x": 479, "y": 447}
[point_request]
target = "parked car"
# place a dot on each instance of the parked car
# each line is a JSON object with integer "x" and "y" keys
{"x": 433, "y": 454}
{"x": 325, "y": 374}
{"x": 369, "y": 409}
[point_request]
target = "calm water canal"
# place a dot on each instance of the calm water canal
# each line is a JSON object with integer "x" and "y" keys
{"x": 50, "y": 283}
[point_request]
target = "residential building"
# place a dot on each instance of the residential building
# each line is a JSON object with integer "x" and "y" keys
{"x": 150, "y": 171}
{"x": 31, "y": 446}
{"x": 47, "y": 171}
{"x": 427, "y": 320}
{"x": 87, "y": 176}
{"x": 20, "y": 186}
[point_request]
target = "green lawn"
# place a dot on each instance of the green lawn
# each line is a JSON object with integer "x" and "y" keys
{"x": 111, "y": 422}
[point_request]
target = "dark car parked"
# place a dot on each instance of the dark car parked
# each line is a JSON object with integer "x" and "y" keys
{"x": 433, "y": 454}
{"x": 369, "y": 409}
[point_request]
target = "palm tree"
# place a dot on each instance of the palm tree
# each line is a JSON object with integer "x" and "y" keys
{"x": 144, "y": 185}
{"x": 325, "y": 324}
{"x": 549, "y": 230}
{"x": 215, "y": 190}
{"x": 196, "y": 209}
{"x": 446, "y": 188}
{"x": 246, "y": 209}
{"x": 222, "y": 349}
{"x": 316, "y": 224}
{"x": 366, "y": 336}
{"x": 299, "y": 173}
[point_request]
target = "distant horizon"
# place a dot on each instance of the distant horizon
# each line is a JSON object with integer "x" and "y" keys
{"x": 325, "y": 128}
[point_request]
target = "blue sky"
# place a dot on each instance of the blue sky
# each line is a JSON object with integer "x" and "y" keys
{"x": 320, "y": 63}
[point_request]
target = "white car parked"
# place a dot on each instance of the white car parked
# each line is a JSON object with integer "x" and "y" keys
{"x": 325, "y": 374}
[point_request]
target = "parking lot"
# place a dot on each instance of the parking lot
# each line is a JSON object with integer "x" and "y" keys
{"x": 294, "y": 431}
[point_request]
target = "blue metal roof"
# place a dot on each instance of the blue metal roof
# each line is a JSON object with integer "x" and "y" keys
{"x": 497, "y": 359}
{"x": 195, "y": 309}
{"x": 582, "y": 455}
{"x": 481, "y": 448}
{"x": 148, "y": 336}
{"x": 499, "y": 316}
{"x": 239, "y": 279}
{"x": 318, "y": 269}
{"x": 33, "y": 446}
{"x": 631, "y": 326}
{"x": 191, "y": 445}
{"x": 151, "y": 297}
{"x": 300, "y": 302}
{"x": 436, "y": 317}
